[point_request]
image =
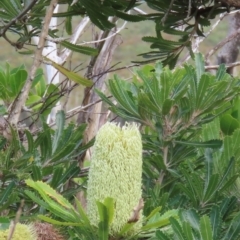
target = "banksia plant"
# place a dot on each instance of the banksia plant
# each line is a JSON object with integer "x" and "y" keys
{"x": 21, "y": 232}
{"x": 116, "y": 172}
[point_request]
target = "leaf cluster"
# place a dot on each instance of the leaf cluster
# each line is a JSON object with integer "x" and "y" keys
{"x": 188, "y": 163}
{"x": 51, "y": 156}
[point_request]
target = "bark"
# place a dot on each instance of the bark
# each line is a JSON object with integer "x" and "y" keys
{"x": 98, "y": 68}
{"x": 231, "y": 3}
{"x": 230, "y": 51}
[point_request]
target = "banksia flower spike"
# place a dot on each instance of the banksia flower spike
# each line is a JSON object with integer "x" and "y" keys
{"x": 21, "y": 232}
{"x": 116, "y": 172}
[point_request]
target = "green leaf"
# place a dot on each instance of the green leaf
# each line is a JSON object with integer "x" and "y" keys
{"x": 129, "y": 17}
{"x": 153, "y": 212}
{"x": 192, "y": 217}
{"x": 4, "y": 223}
{"x": 167, "y": 106}
{"x": 60, "y": 121}
{"x": 161, "y": 221}
{"x": 17, "y": 81}
{"x": 234, "y": 229}
{"x": 55, "y": 222}
{"x": 199, "y": 61}
{"x": 207, "y": 144}
{"x": 32, "y": 99}
{"x": 57, "y": 175}
{"x": 205, "y": 228}
{"x": 109, "y": 203}
{"x": 76, "y": 48}
{"x": 187, "y": 230}
{"x": 7, "y": 192}
{"x": 72, "y": 75}
{"x": 45, "y": 190}
{"x": 103, "y": 226}
{"x": 178, "y": 232}
{"x": 215, "y": 221}
{"x": 36, "y": 173}
{"x": 211, "y": 189}
{"x": 161, "y": 236}
{"x": 126, "y": 228}
{"x": 228, "y": 124}
{"x": 82, "y": 213}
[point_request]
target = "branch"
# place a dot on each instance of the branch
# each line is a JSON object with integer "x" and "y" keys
{"x": 16, "y": 220}
{"x": 227, "y": 66}
{"x": 221, "y": 44}
{"x": 20, "y": 100}
{"x": 201, "y": 39}
{"x": 20, "y": 15}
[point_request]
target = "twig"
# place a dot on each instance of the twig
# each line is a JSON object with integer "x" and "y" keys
{"x": 20, "y": 15}
{"x": 221, "y": 44}
{"x": 227, "y": 66}
{"x": 138, "y": 10}
{"x": 104, "y": 39}
{"x": 19, "y": 101}
{"x": 201, "y": 39}
{"x": 16, "y": 220}
{"x": 167, "y": 13}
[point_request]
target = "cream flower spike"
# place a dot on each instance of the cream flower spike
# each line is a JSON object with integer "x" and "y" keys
{"x": 21, "y": 232}
{"x": 116, "y": 172}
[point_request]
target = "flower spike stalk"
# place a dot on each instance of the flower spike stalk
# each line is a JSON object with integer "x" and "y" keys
{"x": 116, "y": 172}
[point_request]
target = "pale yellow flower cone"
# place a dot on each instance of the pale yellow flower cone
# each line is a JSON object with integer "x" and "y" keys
{"x": 21, "y": 232}
{"x": 116, "y": 172}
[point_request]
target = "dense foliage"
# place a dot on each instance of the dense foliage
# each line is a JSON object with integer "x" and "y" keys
{"x": 182, "y": 19}
{"x": 190, "y": 167}
{"x": 188, "y": 118}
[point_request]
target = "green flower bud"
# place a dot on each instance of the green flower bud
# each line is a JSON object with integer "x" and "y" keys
{"x": 116, "y": 172}
{"x": 21, "y": 232}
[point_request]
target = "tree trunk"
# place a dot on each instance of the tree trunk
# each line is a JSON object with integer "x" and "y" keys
{"x": 230, "y": 51}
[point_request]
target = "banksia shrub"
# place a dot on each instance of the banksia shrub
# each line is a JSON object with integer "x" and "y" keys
{"x": 116, "y": 172}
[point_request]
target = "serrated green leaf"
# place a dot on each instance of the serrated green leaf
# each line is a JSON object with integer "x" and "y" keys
{"x": 72, "y": 75}
{"x": 55, "y": 222}
{"x": 234, "y": 229}
{"x": 129, "y": 17}
{"x": 215, "y": 218}
{"x": 187, "y": 230}
{"x": 177, "y": 229}
{"x": 162, "y": 220}
{"x": 36, "y": 173}
{"x": 161, "y": 236}
{"x": 6, "y": 193}
{"x": 207, "y": 144}
{"x": 57, "y": 175}
{"x": 81, "y": 49}
{"x": 153, "y": 212}
{"x": 192, "y": 217}
{"x": 205, "y": 228}
{"x": 211, "y": 188}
